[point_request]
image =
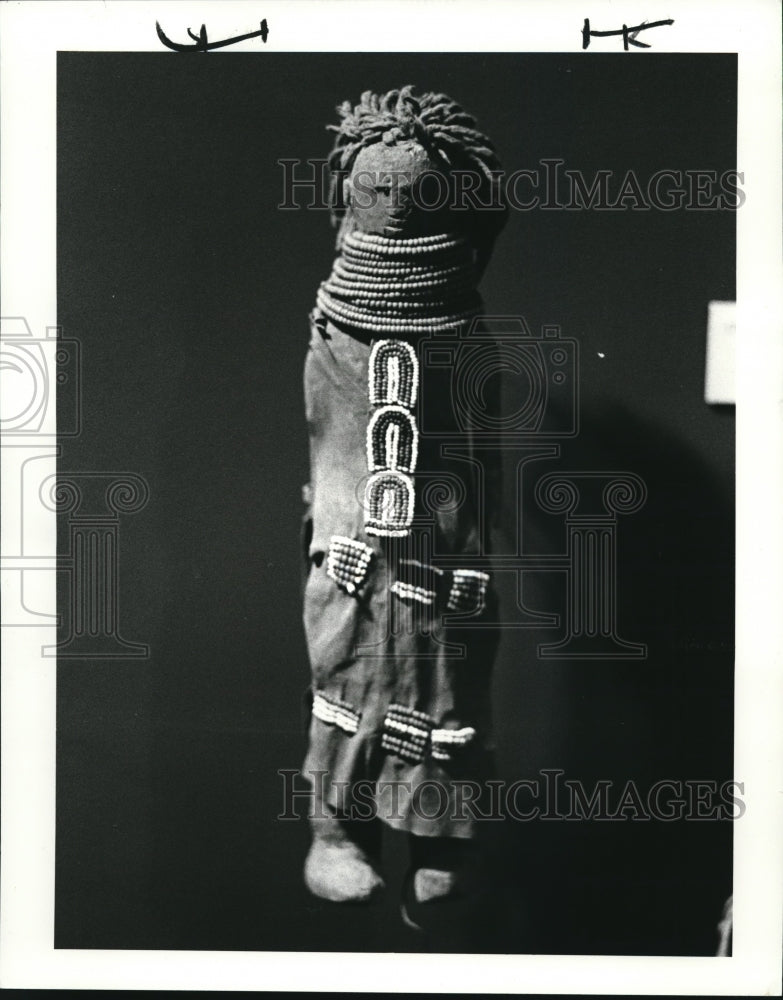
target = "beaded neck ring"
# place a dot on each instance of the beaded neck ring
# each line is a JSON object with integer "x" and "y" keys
{"x": 401, "y": 286}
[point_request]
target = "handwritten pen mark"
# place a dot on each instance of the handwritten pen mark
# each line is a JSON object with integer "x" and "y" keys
{"x": 629, "y": 34}
{"x": 632, "y": 37}
{"x": 202, "y": 43}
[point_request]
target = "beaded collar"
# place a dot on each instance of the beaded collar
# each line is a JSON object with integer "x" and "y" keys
{"x": 401, "y": 286}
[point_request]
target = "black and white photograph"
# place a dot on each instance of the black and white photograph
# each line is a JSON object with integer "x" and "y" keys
{"x": 388, "y": 502}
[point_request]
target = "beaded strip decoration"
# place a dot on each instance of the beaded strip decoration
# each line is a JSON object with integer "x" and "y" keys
{"x": 416, "y": 581}
{"x": 410, "y": 592}
{"x": 406, "y": 733}
{"x": 336, "y": 712}
{"x": 468, "y": 590}
{"x": 394, "y": 374}
{"x": 412, "y": 735}
{"x": 348, "y": 562}
{"x": 445, "y": 741}
{"x": 398, "y": 286}
{"x": 388, "y": 504}
{"x": 392, "y": 440}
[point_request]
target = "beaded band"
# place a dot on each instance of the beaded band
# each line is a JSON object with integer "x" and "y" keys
{"x": 336, "y": 712}
{"x": 387, "y": 306}
{"x": 412, "y": 735}
{"x": 399, "y": 294}
{"x": 397, "y": 255}
{"x": 468, "y": 590}
{"x": 416, "y": 581}
{"x": 348, "y": 562}
{"x": 444, "y": 741}
{"x": 373, "y": 244}
{"x": 410, "y": 276}
{"x": 406, "y": 733}
{"x": 347, "y": 267}
{"x": 358, "y": 238}
{"x": 410, "y": 592}
{"x": 366, "y": 319}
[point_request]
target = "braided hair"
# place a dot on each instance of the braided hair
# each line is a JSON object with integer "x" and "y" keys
{"x": 447, "y": 133}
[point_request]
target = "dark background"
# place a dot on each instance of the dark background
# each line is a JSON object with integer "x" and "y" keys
{"x": 189, "y": 291}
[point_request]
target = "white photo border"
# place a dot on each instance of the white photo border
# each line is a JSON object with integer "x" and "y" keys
{"x": 31, "y": 35}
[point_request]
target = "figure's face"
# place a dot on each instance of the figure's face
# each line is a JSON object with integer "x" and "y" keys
{"x": 390, "y": 188}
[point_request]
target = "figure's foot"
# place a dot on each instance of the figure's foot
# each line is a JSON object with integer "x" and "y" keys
{"x": 337, "y": 868}
{"x": 440, "y": 891}
{"x": 439, "y": 867}
{"x": 431, "y": 884}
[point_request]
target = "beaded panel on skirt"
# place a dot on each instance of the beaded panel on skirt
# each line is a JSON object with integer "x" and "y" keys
{"x": 399, "y": 286}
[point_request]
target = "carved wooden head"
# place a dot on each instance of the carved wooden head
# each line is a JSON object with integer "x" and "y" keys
{"x": 396, "y": 167}
{"x": 397, "y": 190}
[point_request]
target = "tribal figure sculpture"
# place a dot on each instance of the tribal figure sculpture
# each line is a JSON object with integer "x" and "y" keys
{"x": 395, "y": 527}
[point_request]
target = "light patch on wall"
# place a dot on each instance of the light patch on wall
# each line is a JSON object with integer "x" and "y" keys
{"x": 719, "y": 376}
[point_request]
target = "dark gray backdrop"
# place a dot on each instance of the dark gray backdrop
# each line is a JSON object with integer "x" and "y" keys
{"x": 189, "y": 290}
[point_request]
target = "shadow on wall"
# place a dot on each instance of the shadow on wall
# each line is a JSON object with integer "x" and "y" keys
{"x": 629, "y": 886}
